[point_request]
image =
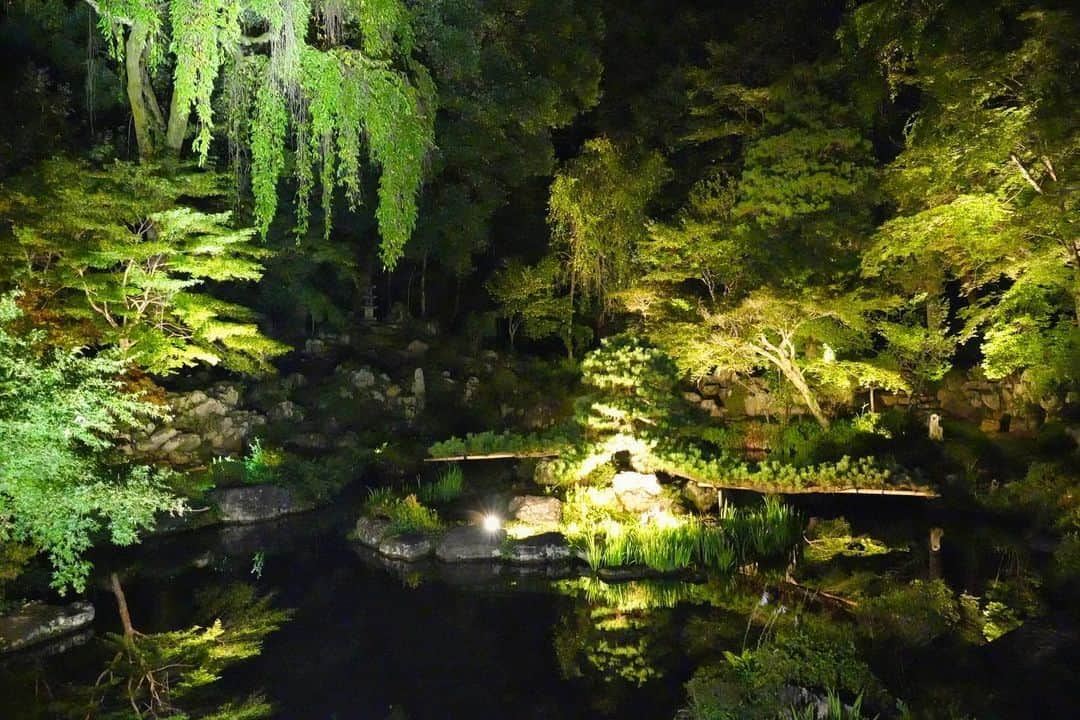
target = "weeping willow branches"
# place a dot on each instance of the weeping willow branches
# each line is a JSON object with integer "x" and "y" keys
{"x": 331, "y": 83}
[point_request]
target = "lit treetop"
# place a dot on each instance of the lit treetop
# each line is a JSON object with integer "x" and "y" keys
{"x": 333, "y": 79}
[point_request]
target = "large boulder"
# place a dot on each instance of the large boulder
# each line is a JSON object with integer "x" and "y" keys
{"x": 702, "y": 496}
{"x": 468, "y": 543}
{"x": 370, "y": 531}
{"x": 536, "y": 509}
{"x": 35, "y": 623}
{"x": 256, "y": 503}
{"x": 544, "y": 548}
{"x": 407, "y": 546}
{"x": 640, "y": 493}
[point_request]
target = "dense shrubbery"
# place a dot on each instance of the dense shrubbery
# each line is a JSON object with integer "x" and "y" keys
{"x": 60, "y": 414}
{"x": 315, "y": 478}
{"x": 803, "y": 652}
{"x": 490, "y": 442}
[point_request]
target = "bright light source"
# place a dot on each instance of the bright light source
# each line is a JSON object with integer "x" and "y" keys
{"x": 492, "y": 523}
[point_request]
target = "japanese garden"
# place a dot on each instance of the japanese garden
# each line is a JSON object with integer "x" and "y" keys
{"x": 561, "y": 359}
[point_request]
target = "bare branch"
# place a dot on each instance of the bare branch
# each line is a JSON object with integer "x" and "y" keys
{"x": 1025, "y": 173}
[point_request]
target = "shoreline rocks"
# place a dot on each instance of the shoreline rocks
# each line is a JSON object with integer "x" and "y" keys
{"x": 36, "y": 623}
{"x": 256, "y": 503}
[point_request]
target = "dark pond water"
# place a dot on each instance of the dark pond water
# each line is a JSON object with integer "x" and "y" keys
{"x": 379, "y": 640}
{"x": 363, "y": 642}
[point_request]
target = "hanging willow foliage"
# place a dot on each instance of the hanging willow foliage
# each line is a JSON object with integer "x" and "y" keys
{"x": 331, "y": 81}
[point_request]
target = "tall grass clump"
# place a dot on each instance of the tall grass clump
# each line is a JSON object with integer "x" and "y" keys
{"x": 668, "y": 547}
{"x": 768, "y": 531}
{"x": 448, "y": 487}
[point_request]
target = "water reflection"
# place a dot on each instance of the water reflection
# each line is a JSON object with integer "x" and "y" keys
{"x": 872, "y": 613}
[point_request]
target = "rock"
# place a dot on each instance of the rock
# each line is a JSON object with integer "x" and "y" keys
{"x": 468, "y": 543}
{"x": 293, "y": 381}
{"x": 286, "y": 410}
{"x": 640, "y": 493}
{"x": 711, "y": 390}
{"x": 472, "y": 386}
{"x": 704, "y": 498}
{"x": 227, "y": 394}
{"x": 35, "y": 623}
{"x": 256, "y": 503}
{"x": 182, "y": 443}
{"x": 990, "y": 425}
{"x": 309, "y": 441}
{"x": 370, "y": 531}
{"x": 315, "y": 346}
{"x": 408, "y": 546}
{"x": 536, "y": 509}
{"x": 410, "y": 407}
{"x": 210, "y": 407}
{"x": 418, "y": 389}
{"x": 362, "y": 378}
{"x": 691, "y": 397}
{"x": 416, "y": 347}
{"x": 757, "y": 404}
{"x": 712, "y": 407}
{"x": 161, "y": 437}
{"x": 543, "y": 548}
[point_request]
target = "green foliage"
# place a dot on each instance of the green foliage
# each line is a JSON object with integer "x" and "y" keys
{"x": 406, "y": 514}
{"x": 489, "y": 441}
{"x": 448, "y": 487}
{"x": 913, "y": 615}
{"x": 158, "y": 674}
{"x": 507, "y": 73}
{"x": 597, "y": 213}
{"x": 121, "y": 256}
{"x": 325, "y": 96}
{"x": 629, "y": 386}
{"x": 803, "y": 652}
{"x": 60, "y": 415}
{"x": 983, "y": 200}
{"x": 835, "y": 709}
{"x": 261, "y": 465}
{"x": 529, "y": 299}
{"x": 609, "y": 538}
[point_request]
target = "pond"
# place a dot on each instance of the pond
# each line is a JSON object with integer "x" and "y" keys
{"x": 370, "y": 638}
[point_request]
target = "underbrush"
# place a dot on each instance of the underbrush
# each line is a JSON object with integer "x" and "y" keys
{"x": 406, "y": 514}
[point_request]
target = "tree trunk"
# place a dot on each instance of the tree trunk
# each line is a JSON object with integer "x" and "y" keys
{"x": 795, "y": 377}
{"x": 135, "y": 47}
{"x": 423, "y": 287}
{"x": 121, "y": 605}
{"x": 178, "y": 123}
{"x": 570, "y": 322}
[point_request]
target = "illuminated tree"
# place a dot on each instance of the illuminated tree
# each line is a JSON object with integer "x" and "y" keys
{"x": 597, "y": 213}
{"x": 985, "y": 240}
{"x": 121, "y": 257}
{"x": 529, "y": 299}
{"x": 333, "y": 78}
{"x": 60, "y": 412}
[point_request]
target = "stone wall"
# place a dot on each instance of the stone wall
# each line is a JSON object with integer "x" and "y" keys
{"x": 204, "y": 424}
{"x": 996, "y": 406}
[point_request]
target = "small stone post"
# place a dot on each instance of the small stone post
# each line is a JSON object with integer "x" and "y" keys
{"x": 934, "y": 428}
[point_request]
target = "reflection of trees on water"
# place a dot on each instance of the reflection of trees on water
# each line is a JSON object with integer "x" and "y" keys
{"x": 171, "y": 674}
